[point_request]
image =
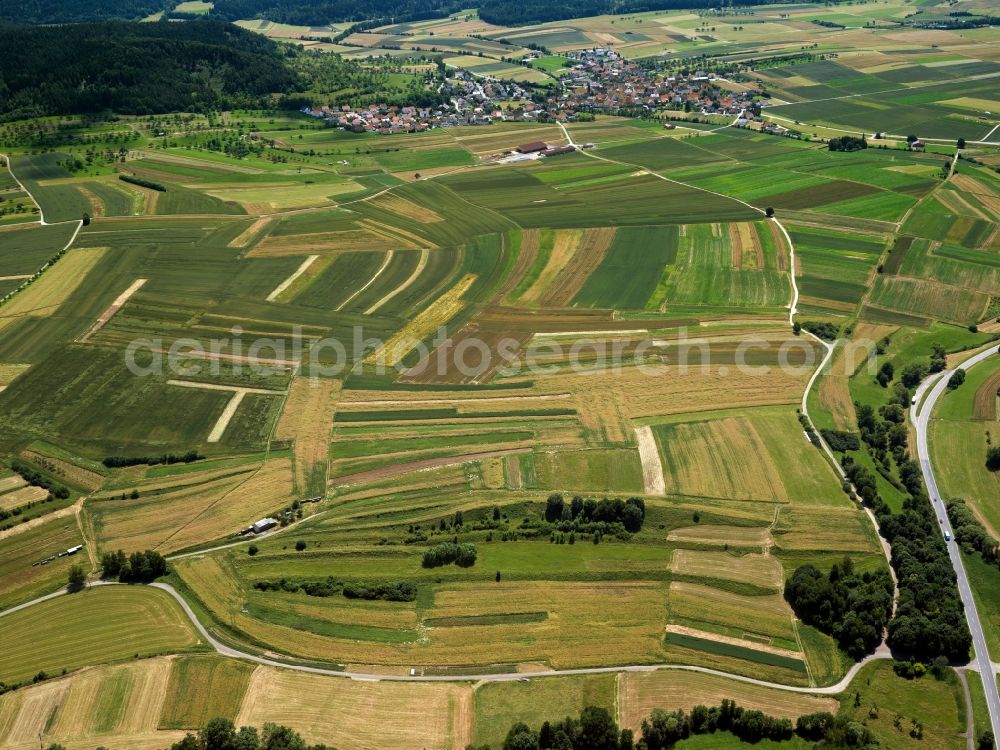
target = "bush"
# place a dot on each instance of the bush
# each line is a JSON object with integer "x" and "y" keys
{"x": 956, "y": 379}
{"x": 300, "y": 545}
{"x": 993, "y": 458}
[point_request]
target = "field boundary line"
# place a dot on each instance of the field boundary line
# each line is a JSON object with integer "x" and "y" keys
{"x": 385, "y": 264}
{"x": 303, "y": 267}
{"x": 421, "y": 265}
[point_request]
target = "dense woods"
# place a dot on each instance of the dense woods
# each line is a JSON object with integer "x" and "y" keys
{"x": 852, "y": 607}
{"x": 501, "y": 12}
{"x": 137, "y": 68}
{"x": 74, "y": 11}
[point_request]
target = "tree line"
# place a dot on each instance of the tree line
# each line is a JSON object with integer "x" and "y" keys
{"x": 580, "y": 512}
{"x": 929, "y": 621}
{"x": 596, "y": 729}
{"x": 113, "y": 462}
{"x": 391, "y": 591}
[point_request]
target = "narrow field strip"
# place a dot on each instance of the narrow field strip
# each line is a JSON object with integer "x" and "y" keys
{"x": 16, "y": 278}
{"x": 421, "y": 264}
{"x": 460, "y": 400}
{"x": 220, "y": 387}
{"x": 226, "y": 417}
{"x": 117, "y": 305}
{"x": 385, "y": 264}
{"x": 741, "y": 642}
{"x": 278, "y": 290}
{"x": 649, "y": 455}
{"x": 430, "y": 463}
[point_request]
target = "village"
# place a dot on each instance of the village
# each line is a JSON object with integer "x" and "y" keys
{"x": 598, "y": 81}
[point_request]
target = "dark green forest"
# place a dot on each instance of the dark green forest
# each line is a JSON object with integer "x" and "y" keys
{"x": 138, "y": 68}
{"x": 74, "y": 11}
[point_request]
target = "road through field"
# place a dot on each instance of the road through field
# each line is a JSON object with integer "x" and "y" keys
{"x": 920, "y": 414}
{"x": 224, "y": 650}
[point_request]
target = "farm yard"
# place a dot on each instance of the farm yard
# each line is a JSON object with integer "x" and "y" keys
{"x": 499, "y": 414}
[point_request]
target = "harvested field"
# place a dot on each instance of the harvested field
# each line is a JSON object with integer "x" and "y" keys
{"x": 984, "y": 405}
{"x": 640, "y": 693}
{"x": 414, "y": 466}
{"x": 731, "y": 536}
{"x": 53, "y": 287}
{"x": 443, "y": 309}
{"x": 97, "y": 625}
{"x": 649, "y": 455}
{"x": 825, "y": 530}
{"x": 763, "y": 619}
{"x": 13, "y": 498}
{"x": 307, "y": 420}
{"x": 756, "y": 569}
{"x": 369, "y": 714}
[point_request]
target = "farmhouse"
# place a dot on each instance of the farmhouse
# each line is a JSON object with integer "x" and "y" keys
{"x": 531, "y": 148}
{"x": 263, "y": 525}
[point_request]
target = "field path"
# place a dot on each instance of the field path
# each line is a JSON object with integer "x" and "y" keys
{"x": 117, "y": 305}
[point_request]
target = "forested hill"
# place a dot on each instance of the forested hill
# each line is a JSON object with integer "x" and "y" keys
{"x": 77, "y": 11}
{"x": 137, "y": 68}
{"x": 501, "y": 12}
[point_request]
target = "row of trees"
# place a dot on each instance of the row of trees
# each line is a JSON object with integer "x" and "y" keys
{"x": 139, "y": 567}
{"x": 596, "y": 729}
{"x": 852, "y": 607}
{"x": 392, "y": 591}
{"x": 166, "y": 458}
{"x": 34, "y": 477}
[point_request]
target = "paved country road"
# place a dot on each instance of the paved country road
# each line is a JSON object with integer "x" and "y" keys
{"x": 920, "y": 414}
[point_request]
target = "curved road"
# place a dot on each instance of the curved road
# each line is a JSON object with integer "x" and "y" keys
{"x": 224, "y": 650}
{"x": 920, "y": 414}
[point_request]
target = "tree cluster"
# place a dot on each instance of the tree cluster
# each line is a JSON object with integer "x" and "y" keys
{"x": 970, "y": 533}
{"x": 852, "y": 607}
{"x": 446, "y": 553}
{"x": 139, "y": 567}
{"x": 847, "y": 143}
{"x": 221, "y": 734}
{"x": 629, "y": 513}
{"x": 115, "y": 462}
{"x": 841, "y": 441}
{"x": 827, "y": 331}
{"x": 72, "y": 11}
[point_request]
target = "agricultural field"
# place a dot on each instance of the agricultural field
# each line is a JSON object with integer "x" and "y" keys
{"x": 507, "y": 413}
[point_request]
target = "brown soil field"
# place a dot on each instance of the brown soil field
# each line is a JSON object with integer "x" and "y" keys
{"x": 307, "y": 419}
{"x": 640, "y": 693}
{"x": 369, "y": 714}
{"x": 984, "y": 406}
{"x": 96, "y": 204}
{"x": 736, "y": 242}
{"x": 781, "y": 260}
{"x": 463, "y": 358}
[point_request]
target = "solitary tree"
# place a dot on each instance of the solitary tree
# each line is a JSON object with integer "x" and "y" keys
{"x": 769, "y": 212}
{"x": 77, "y": 578}
{"x": 960, "y": 143}
{"x": 300, "y": 545}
